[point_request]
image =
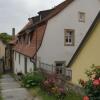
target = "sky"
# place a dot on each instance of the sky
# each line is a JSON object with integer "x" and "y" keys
{"x": 15, "y": 13}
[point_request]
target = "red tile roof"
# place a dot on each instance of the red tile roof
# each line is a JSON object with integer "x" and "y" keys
{"x": 57, "y": 9}
{"x": 51, "y": 13}
{"x": 30, "y": 49}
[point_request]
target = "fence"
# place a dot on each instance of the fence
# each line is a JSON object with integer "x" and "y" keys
{"x": 48, "y": 68}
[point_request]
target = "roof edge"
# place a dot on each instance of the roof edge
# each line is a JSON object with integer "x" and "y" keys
{"x": 84, "y": 39}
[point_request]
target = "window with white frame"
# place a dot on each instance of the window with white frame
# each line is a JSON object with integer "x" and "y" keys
{"x": 69, "y": 37}
{"x": 81, "y": 17}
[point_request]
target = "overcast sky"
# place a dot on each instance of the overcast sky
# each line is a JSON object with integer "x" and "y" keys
{"x": 15, "y": 13}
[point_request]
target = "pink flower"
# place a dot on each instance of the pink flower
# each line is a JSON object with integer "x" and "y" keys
{"x": 85, "y": 98}
{"x": 96, "y": 82}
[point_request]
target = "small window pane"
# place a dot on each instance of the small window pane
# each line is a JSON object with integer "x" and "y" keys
{"x": 70, "y": 40}
{"x": 81, "y": 16}
{"x": 69, "y": 36}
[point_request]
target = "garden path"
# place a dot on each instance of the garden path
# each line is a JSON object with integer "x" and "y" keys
{"x": 11, "y": 90}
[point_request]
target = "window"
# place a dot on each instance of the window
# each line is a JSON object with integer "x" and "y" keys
{"x": 21, "y": 40}
{"x": 26, "y": 39}
{"x": 29, "y": 40}
{"x": 60, "y": 67}
{"x": 69, "y": 37}
{"x": 81, "y": 17}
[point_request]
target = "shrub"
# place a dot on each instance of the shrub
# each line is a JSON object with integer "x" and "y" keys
{"x": 50, "y": 86}
{"x": 92, "y": 86}
{"x": 32, "y": 79}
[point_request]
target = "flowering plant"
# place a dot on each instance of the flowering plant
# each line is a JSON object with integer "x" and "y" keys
{"x": 92, "y": 86}
{"x": 51, "y": 87}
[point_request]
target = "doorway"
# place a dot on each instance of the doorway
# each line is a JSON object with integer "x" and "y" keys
{"x": 25, "y": 60}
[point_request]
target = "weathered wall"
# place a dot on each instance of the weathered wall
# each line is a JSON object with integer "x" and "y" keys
{"x": 20, "y": 67}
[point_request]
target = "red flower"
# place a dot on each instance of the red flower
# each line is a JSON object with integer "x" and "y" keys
{"x": 85, "y": 98}
{"x": 96, "y": 82}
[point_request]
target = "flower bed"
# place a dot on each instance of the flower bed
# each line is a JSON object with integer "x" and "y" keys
{"x": 47, "y": 88}
{"x": 50, "y": 86}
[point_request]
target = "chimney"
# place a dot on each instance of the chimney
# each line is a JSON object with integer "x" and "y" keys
{"x": 13, "y": 33}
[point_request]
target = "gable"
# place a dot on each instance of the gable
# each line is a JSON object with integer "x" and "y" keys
{"x": 88, "y": 54}
{"x": 90, "y": 51}
{"x": 97, "y": 20}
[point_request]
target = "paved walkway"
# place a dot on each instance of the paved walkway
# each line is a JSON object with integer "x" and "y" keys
{"x": 11, "y": 89}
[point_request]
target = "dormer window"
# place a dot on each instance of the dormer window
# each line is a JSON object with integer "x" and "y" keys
{"x": 40, "y": 17}
{"x": 69, "y": 37}
{"x": 19, "y": 39}
{"x": 29, "y": 39}
{"x": 81, "y": 17}
{"x": 26, "y": 39}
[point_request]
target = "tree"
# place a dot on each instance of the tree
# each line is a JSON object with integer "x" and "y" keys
{"x": 5, "y": 37}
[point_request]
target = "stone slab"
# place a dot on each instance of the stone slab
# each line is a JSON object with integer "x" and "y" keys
{"x": 16, "y": 94}
{"x": 11, "y": 90}
{"x": 5, "y": 86}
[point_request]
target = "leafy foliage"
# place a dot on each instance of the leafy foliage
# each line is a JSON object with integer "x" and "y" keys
{"x": 38, "y": 92}
{"x": 32, "y": 79}
{"x": 92, "y": 86}
{"x": 5, "y": 37}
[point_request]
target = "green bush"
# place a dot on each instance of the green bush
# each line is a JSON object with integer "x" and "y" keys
{"x": 32, "y": 79}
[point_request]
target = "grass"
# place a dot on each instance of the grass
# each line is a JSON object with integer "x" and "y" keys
{"x": 0, "y": 97}
{"x": 37, "y": 92}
